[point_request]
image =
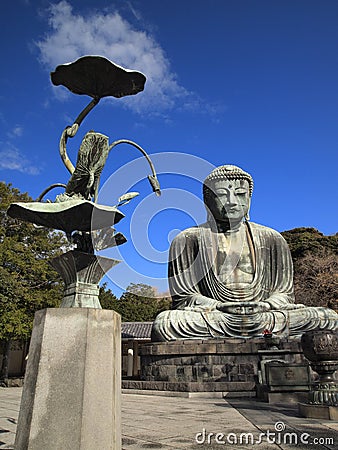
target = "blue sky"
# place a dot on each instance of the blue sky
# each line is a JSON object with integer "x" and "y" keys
{"x": 245, "y": 82}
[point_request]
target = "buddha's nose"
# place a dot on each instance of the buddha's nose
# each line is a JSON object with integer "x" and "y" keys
{"x": 232, "y": 199}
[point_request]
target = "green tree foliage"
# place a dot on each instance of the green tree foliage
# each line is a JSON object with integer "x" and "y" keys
{"x": 107, "y": 299}
{"x": 302, "y": 241}
{"x": 27, "y": 281}
{"x": 315, "y": 258}
{"x": 139, "y": 303}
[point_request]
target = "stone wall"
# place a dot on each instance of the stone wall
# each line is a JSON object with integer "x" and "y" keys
{"x": 228, "y": 360}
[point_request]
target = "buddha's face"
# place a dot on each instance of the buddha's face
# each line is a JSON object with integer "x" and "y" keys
{"x": 228, "y": 200}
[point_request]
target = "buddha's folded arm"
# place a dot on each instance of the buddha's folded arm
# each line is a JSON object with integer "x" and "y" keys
{"x": 196, "y": 302}
{"x": 281, "y": 301}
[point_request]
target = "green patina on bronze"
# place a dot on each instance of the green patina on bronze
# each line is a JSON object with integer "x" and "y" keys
{"x": 233, "y": 278}
{"x": 87, "y": 224}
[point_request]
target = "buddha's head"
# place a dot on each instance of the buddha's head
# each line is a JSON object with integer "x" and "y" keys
{"x": 227, "y": 191}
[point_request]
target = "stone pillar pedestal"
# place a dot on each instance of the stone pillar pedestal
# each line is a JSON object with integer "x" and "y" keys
{"x": 72, "y": 392}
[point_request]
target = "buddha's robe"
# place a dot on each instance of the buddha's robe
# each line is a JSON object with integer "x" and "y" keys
{"x": 252, "y": 265}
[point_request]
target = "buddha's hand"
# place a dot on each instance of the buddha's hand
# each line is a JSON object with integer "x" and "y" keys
{"x": 295, "y": 306}
{"x": 242, "y": 308}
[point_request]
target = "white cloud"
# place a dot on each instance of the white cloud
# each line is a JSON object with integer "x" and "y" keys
{"x": 12, "y": 159}
{"x": 73, "y": 35}
{"x": 16, "y": 131}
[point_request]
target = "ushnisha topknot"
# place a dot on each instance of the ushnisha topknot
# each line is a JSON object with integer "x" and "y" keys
{"x": 228, "y": 172}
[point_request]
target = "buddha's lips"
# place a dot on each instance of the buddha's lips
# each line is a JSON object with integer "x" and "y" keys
{"x": 231, "y": 210}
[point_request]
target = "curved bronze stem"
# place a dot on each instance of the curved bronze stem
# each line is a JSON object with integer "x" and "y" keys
{"x": 52, "y": 186}
{"x": 67, "y": 132}
{"x": 86, "y": 110}
{"x": 152, "y": 178}
{"x": 71, "y": 131}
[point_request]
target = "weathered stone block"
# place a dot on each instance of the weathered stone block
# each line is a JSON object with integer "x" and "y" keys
{"x": 176, "y": 361}
{"x": 166, "y": 373}
{"x": 240, "y": 377}
{"x": 230, "y": 368}
{"x": 236, "y": 360}
{"x": 167, "y": 349}
{"x": 246, "y": 369}
{"x": 217, "y": 372}
{"x": 318, "y": 411}
{"x": 209, "y": 348}
{"x": 184, "y": 374}
{"x": 72, "y": 396}
{"x": 146, "y": 349}
{"x": 190, "y": 348}
{"x": 187, "y": 360}
{"x": 228, "y": 359}
{"x": 204, "y": 372}
{"x": 187, "y": 373}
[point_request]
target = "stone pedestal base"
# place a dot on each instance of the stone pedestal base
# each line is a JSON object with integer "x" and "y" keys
{"x": 264, "y": 394}
{"x": 210, "y": 365}
{"x": 283, "y": 382}
{"x": 318, "y": 411}
{"x": 81, "y": 273}
{"x": 71, "y": 397}
{"x": 193, "y": 387}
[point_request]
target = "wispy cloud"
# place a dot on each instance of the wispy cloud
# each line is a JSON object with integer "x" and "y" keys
{"x": 16, "y": 131}
{"x": 108, "y": 34}
{"x": 12, "y": 159}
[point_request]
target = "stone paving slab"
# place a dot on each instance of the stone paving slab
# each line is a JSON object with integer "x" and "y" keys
{"x": 9, "y": 412}
{"x": 307, "y": 433}
{"x": 158, "y": 422}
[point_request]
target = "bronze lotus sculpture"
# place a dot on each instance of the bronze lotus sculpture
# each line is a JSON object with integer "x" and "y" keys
{"x": 87, "y": 224}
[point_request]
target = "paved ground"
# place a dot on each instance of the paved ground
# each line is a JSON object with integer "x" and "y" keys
{"x": 157, "y": 422}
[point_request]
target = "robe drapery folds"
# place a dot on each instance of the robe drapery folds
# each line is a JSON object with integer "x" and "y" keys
{"x": 191, "y": 268}
{"x": 196, "y": 288}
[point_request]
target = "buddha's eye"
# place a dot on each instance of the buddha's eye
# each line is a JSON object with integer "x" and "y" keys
{"x": 221, "y": 192}
{"x": 241, "y": 191}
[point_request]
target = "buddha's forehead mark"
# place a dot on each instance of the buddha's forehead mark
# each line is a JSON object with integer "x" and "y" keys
{"x": 227, "y": 183}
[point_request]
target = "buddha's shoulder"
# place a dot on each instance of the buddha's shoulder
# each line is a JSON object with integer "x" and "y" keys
{"x": 265, "y": 231}
{"x": 188, "y": 233}
{"x": 187, "y": 237}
